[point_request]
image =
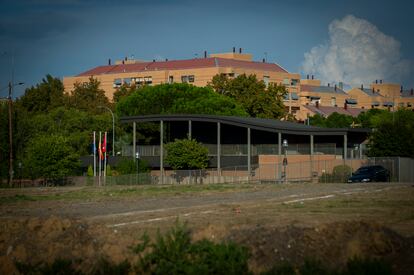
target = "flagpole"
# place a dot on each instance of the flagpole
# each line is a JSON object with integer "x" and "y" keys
{"x": 100, "y": 161}
{"x": 94, "y": 153}
{"x": 105, "y": 155}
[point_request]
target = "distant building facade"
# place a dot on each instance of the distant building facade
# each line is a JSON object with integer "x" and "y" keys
{"x": 305, "y": 97}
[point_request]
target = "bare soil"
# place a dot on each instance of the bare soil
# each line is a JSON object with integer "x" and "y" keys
{"x": 278, "y": 223}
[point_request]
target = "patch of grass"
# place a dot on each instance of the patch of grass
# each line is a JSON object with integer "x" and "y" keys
{"x": 105, "y": 192}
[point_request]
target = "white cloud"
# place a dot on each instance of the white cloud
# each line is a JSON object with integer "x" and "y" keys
{"x": 357, "y": 53}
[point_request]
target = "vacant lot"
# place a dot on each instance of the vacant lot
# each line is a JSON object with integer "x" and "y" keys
{"x": 330, "y": 222}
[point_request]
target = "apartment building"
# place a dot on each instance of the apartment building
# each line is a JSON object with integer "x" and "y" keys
{"x": 197, "y": 71}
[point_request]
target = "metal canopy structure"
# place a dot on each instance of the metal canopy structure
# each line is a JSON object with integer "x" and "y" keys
{"x": 348, "y": 135}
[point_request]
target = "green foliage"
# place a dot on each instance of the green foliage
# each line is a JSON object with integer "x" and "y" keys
{"x": 90, "y": 171}
{"x": 335, "y": 120}
{"x": 51, "y": 157}
{"x": 393, "y": 135}
{"x": 340, "y": 173}
{"x": 106, "y": 267}
{"x": 46, "y": 96}
{"x": 108, "y": 170}
{"x": 358, "y": 266}
{"x": 174, "y": 253}
{"x": 128, "y": 166}
{"x": 186, "y": 154}
{"x": 257, "y": 99}
{"x": 177, "y": 99}
{"x": 59, "y": 266}
{"x": 88, "y": 96}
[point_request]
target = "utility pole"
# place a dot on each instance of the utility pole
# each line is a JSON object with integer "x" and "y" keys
{"x": 10, "y": 137}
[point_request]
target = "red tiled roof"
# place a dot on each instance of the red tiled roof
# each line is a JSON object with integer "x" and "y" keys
{"x": 328, "y": 110}
{"x": 183, "y": 64}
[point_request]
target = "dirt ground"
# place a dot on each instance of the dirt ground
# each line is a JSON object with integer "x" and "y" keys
{"x": 278, "y": 223}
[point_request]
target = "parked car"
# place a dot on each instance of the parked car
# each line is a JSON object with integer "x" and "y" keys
{"x": 369, "y": 174}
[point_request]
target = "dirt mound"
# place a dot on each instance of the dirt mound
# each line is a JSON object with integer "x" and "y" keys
{"x": 37, "y": 240}
{"x": 333, "y": 244}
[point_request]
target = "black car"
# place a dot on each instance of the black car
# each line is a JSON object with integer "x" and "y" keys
{"x": 369, "y": 174}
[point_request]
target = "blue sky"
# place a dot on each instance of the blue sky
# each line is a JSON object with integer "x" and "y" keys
{"x": 67, "y": 37}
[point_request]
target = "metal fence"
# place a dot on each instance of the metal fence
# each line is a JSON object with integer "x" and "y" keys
{"x": 322, "y": 171}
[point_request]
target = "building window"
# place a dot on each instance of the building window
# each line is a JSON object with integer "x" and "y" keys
{"x": 127, "y": 81}
{"x": 171, "y": 79}
{"x": 294, "y": 82}
{"x": 333, "y": 101}
{"x": 148, "y": 80}
{"x": 117, "y": 83}
{"x": 187, "y": 78}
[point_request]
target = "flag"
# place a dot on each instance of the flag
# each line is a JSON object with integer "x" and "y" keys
{"x": 104, "y": 144}
{"x": 100, "y": 150}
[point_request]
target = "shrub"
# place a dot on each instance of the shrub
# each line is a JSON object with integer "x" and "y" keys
{"x": 174, "y": 253}
{"x": 340, "y": 173}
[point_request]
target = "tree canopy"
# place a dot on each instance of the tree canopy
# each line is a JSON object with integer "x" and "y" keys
{"x": 255, "y": 97}
{"x": 393, "y": 135}
{"x": 51, "y": 157}
{"x": 178, "y": 98}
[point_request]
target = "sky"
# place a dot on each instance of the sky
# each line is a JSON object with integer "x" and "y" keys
{"x": 353, "y": 41}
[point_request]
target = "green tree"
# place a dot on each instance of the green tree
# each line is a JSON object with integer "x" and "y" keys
{"x": 88, "y": 96}
{"x": 256, "y": 98}
{"x": 184, "y": 154}
{"x": 44, "y": 97}
{"x": 51, "y": 157}
{"x": 177, "y": 98}
{"x": 335, "y": 120}
{"x": 393, "y": 135}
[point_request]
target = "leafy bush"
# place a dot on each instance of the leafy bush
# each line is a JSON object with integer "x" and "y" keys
{"x": 340, "y": 173}
{"x": 129, "y": 166}
{"x": 174, "y": 253}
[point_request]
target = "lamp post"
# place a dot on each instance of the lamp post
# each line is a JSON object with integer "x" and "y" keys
{"x": 11, "y": 85}
{"x": 285, "y": 161}
{"x": 113, "y": 128}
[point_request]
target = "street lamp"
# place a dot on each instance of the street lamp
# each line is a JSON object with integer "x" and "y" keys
{"x": 285, "y": 161}
{"x": 113, "y": 128}
{"x": 11, "y": 85}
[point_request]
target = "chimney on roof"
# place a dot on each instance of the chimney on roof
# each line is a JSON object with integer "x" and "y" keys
{"x": 307, "y": 76}
{"x": 312, "y": 77}
{"x": 376, "y": 81}
{"x": 126, "y": 58}
{"x": 205, "y": 54}
{"x": 335, "y": 87}
{"x": 264, "y": 60}
{"x": 380, "y": 81}
{"x": 240, "y": 50}
{"x": 345, "y": 106}
{"x": 234, "y": 49}
{"x": 329, "y": 84}
{"x": 362, "y": 86}
{"x": 317, "y": 104}
{"x": 153, "y": 60}
{"x": 166, "y": 59}
{"x": 109, "y": 62}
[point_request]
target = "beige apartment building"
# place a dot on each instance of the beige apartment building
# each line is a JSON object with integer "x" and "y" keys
{"x": 198, "y": 71}
{"x": 306, "y": 97}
